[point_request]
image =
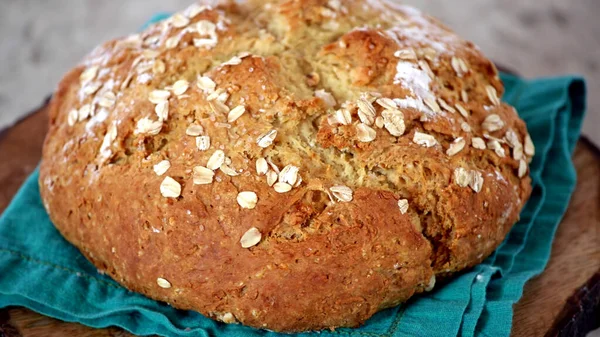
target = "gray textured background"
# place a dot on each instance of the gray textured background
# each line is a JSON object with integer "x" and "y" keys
{"x": 40, "y": 40}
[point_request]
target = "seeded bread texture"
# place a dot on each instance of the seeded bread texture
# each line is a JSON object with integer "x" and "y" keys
{"x": 290, "y": 165}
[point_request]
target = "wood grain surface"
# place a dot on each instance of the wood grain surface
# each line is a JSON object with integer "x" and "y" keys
{"x": 575, "y": 255}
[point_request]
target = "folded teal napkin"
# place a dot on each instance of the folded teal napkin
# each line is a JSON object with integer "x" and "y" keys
{"x": 42, "y": 271}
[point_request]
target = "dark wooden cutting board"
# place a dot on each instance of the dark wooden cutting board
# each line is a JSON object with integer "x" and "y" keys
{"x": 564, "y": 299}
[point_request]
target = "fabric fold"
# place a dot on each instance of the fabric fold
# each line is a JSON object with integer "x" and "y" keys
{"x": 558, "y": 178}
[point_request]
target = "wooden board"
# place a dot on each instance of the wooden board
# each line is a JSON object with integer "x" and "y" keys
{"x": 575, "y": 254}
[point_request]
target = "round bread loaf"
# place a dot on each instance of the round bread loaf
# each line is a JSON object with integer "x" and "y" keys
{"x": 290, "y": 165}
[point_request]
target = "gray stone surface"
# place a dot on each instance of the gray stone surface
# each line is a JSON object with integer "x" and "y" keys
{"x": 40, "y": 40}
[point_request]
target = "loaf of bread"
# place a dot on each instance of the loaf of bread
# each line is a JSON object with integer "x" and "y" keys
{"x": 290, "y": 165}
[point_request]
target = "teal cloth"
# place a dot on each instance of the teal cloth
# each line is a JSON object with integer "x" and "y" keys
{"x": 42, "y": 271}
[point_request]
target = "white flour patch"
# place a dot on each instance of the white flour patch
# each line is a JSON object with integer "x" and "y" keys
{"x": 144, "y": 78}
{"x": 500, "y": 177}
{"x": 98, "y": 118}
{"x": 412, "y": 103}
{"x": 412, "y": 78}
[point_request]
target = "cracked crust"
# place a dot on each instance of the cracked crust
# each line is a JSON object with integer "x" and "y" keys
{"x": 323, "y": 260}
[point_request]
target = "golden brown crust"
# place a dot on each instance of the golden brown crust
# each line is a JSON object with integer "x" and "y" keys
{"x": 407, "y": 164}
